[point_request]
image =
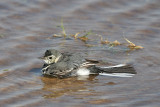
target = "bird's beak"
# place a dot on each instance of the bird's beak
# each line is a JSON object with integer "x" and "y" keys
{"x": 41, "y": 58}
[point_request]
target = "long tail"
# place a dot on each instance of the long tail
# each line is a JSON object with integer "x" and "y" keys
{"x": 121, "y": 70}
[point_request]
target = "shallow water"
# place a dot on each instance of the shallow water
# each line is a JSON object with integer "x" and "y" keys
{"x": 26, "y": 29}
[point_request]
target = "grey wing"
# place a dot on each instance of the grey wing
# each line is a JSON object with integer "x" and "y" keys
{"x": 60, "y": 70}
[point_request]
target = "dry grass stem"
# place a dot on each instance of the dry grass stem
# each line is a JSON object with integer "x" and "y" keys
{"x": 132, "y": 45}
{"x": 85, "y": 38}
{"x": 103, "y": 41}
{"x": 115, "y": 43}
{"x": 76, "y": 35}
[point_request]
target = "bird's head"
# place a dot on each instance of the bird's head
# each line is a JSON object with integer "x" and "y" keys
{"x": 51, "y": 56}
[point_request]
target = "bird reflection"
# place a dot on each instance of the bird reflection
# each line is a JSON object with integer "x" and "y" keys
{"x": 55, "y": 87}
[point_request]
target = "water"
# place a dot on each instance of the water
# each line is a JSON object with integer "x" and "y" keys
{"x": 26, "y": 29}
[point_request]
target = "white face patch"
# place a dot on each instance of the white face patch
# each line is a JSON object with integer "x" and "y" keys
{"x": 49, "y": 59}
{"x": 83, "y": 71}
{"x": 56, "y": 60}
{"x": 46, "y": 61}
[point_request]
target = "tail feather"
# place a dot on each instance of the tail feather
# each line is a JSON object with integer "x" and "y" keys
{"x": 121, "y": 68}
{"x": 117, "y": 74}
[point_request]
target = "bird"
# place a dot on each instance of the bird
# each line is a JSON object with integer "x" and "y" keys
{"x": 66, "y": 64}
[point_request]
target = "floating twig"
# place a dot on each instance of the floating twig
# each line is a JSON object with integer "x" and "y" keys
{"x": 132, "y": 45}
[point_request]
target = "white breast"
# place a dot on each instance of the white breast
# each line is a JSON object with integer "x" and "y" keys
{"x": 83, "y": 71}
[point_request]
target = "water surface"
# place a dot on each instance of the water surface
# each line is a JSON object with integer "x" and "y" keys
{"x": 26, "y": 29}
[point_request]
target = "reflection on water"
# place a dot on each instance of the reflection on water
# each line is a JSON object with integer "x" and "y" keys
{"x": 59, "y": 87}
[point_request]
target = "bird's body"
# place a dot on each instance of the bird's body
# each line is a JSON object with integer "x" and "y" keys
{"x": 73, "y": 64}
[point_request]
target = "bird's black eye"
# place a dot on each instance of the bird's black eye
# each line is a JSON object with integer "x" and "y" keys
{"x": 50, "y": 57}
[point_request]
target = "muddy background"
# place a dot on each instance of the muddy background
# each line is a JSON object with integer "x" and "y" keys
{"x": 26, "y": 29}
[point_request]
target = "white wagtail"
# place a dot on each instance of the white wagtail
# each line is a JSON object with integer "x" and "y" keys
{"x": 66, "y": 64}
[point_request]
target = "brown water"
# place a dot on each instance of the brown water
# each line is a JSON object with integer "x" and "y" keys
{"x": 26, "y": 27}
